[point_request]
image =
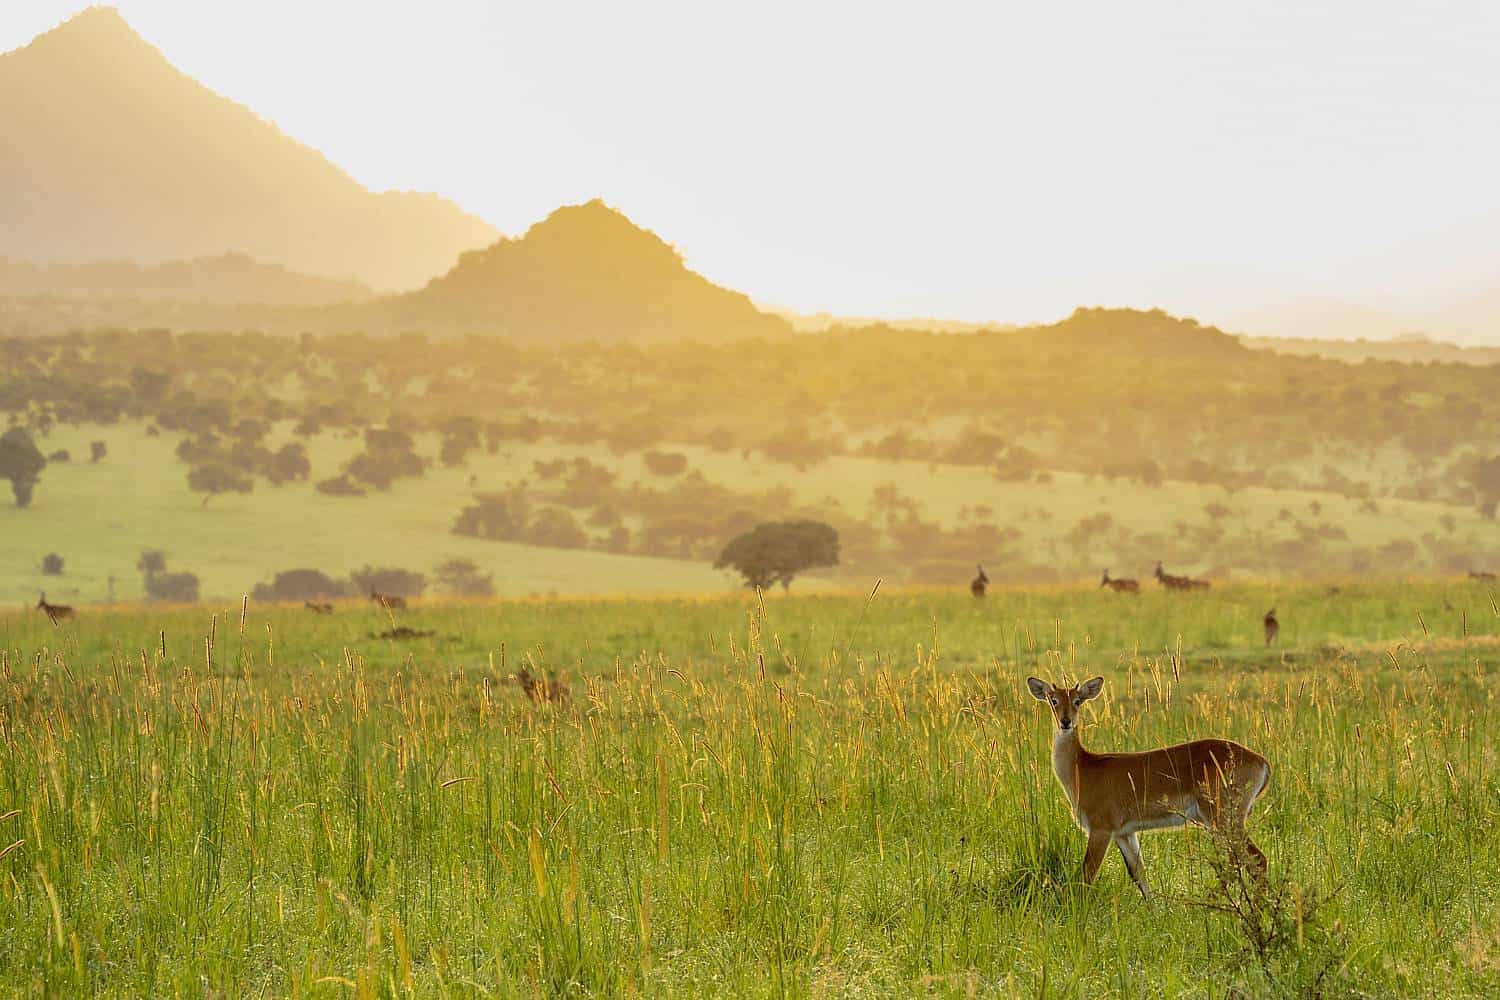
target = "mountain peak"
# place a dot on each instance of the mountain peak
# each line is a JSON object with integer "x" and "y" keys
{"x": 114, "y": 153}
{"x": 584, "y": 272}
{"x": 92, "y": 26}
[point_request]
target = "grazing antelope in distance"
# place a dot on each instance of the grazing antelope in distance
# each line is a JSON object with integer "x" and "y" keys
{"x": 1273, "y": 627}
{"x": 1114, "y": 796}
{"x": 55, "y": 612}
{"x": 1482, "y": 576}
{"x": 1120, "y": 586}
{"x": 1178, "y": 582}
{"x": 319, "y": 608}
{"x": 387, "y": 602}
{"x": 979, "y": 584}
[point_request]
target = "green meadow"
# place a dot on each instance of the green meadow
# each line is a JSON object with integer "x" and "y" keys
{"x": 99, "y": 517}
{"x": 843, "y": 793}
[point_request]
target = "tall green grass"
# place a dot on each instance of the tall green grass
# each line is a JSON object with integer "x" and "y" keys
{"x": 839, "y": 794}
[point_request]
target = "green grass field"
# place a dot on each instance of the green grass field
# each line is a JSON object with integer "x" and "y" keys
{"x": 831, "y": 794}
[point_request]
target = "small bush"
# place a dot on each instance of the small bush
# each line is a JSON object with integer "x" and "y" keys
{"x": 52, "y": 564}
{"x": 60, "y": 455}
{"x": 177, "y": 588}
{"x": 665, "y": 463}
{"x": 340, "y": 486}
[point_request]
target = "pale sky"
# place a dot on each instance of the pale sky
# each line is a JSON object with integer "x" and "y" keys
{"x": 986, "y": 161}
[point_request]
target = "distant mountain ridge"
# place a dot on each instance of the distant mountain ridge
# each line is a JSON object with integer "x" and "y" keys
{"x": 584, "y": 272}
{"x": 112, "y": 153}
{"x": 229, "y": 279}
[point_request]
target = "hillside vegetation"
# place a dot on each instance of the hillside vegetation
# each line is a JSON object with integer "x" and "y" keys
{"x": 1113, "y": 439}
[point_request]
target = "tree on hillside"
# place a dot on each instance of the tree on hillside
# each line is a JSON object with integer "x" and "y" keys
{"x": 299, "y": 585}
{"x": 21, "y": 462}
{"x": 388, "y": 580}
{"x": 461, "y": 578}
{"x": 216, "y": 478}
{"x": 287, "y": 464}
{"x": 178, "y": 588}
{"x": 1484, "y": 476}
{"x": 776, "y": 552}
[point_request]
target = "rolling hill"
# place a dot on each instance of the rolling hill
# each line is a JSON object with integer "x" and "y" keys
{"x": 584, "y": 272}
{"x": 228, "y": 279}
{"x": 112, "y": 153}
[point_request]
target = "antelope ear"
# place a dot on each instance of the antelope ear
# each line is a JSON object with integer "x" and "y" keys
{"x": 1091, "y": 688}
{"x": 1040, "y": 689}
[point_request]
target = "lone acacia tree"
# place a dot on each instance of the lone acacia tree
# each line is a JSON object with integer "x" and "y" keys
{"x": 21, "y": 461}
{"x": 775, "y": 552}
{"x": 216, "y": 478}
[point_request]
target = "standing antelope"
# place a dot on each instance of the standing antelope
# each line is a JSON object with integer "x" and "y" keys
{"x": 55, "y": 612}
{"x": 319, "y": 607}
{"x": 1482, "y": 576}
{"x": 387, "y": 602}
{"x": 1121, "y": 586}
{"x": 979, "y": 584}
{"x": 1273, "y": 627}
{"x": 1114, "y": 796}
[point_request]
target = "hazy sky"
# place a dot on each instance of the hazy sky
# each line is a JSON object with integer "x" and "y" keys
{"x": 968, "y": 160}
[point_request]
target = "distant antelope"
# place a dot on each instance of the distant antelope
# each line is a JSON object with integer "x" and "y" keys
{"x": 387, "y": 602}
{"x": 1273, "y": 627}
{"x": 1178, "y": 582}
{"x": 1120, "y": 586}
{"x": 1482, "y": 576}
{"x": 540, "y": 689}
{"x": 979, "y": 584}
{"x": 1114, "y": 796}
{"x": 55, "y": 612}
{"x": 317, "y": 608}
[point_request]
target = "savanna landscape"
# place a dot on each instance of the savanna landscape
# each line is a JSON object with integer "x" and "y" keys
{"x": 392, "y": 606}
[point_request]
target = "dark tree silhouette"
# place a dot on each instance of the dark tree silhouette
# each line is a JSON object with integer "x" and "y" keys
{"x": 461, "y": 578}
{"x": 1484, "y": 477}
{"x": 216, "y": 478}
{"x": 52, "y": 564}
{"x": 776, "y": 552}
{"x": 21, "y": 462}
{"x": 388, "y": 580}
{"x": 299, "y": 585}
{"x": 97, "y": 451}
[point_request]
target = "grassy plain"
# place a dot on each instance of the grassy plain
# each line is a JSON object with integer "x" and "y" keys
{"x": 100, "y": 516}
{"x": 832, "y": 794}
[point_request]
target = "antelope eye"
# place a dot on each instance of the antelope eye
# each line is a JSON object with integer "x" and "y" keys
{"x": 1077, "y": 702}
{"x": 1053, "y": 700}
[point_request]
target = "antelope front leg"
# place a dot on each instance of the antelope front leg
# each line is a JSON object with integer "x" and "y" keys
{"x": 1130, "y": 850}
{"x": 1094, "y": 856}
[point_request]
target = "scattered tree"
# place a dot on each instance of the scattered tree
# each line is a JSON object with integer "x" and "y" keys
{"x": 461, "y": 578}
{"x": 299, "y": 585}
{"x": 388, "y": 580}
{"x": 216, "y": 478}
{"x": 52, "y": 564}
{"x": 21, "y": 462}
{"x": 776, "y": 552}
{"x": 97, "y": 451}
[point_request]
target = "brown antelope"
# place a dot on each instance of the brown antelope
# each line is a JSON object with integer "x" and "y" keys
{"x": 1273, "y": 627}
{"x": 55, "y": 612}
{"x": 319, "y": 608}
{"x": 387, "y": 602}
{"x": 540, "y": 689}
{"x": 1171, "y": 582}
{"x": 1120, "y": 586}
{"x": 1114, "y": 796}
{"x": 979, "y": 584}
{"x": 1481, "y": 576}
